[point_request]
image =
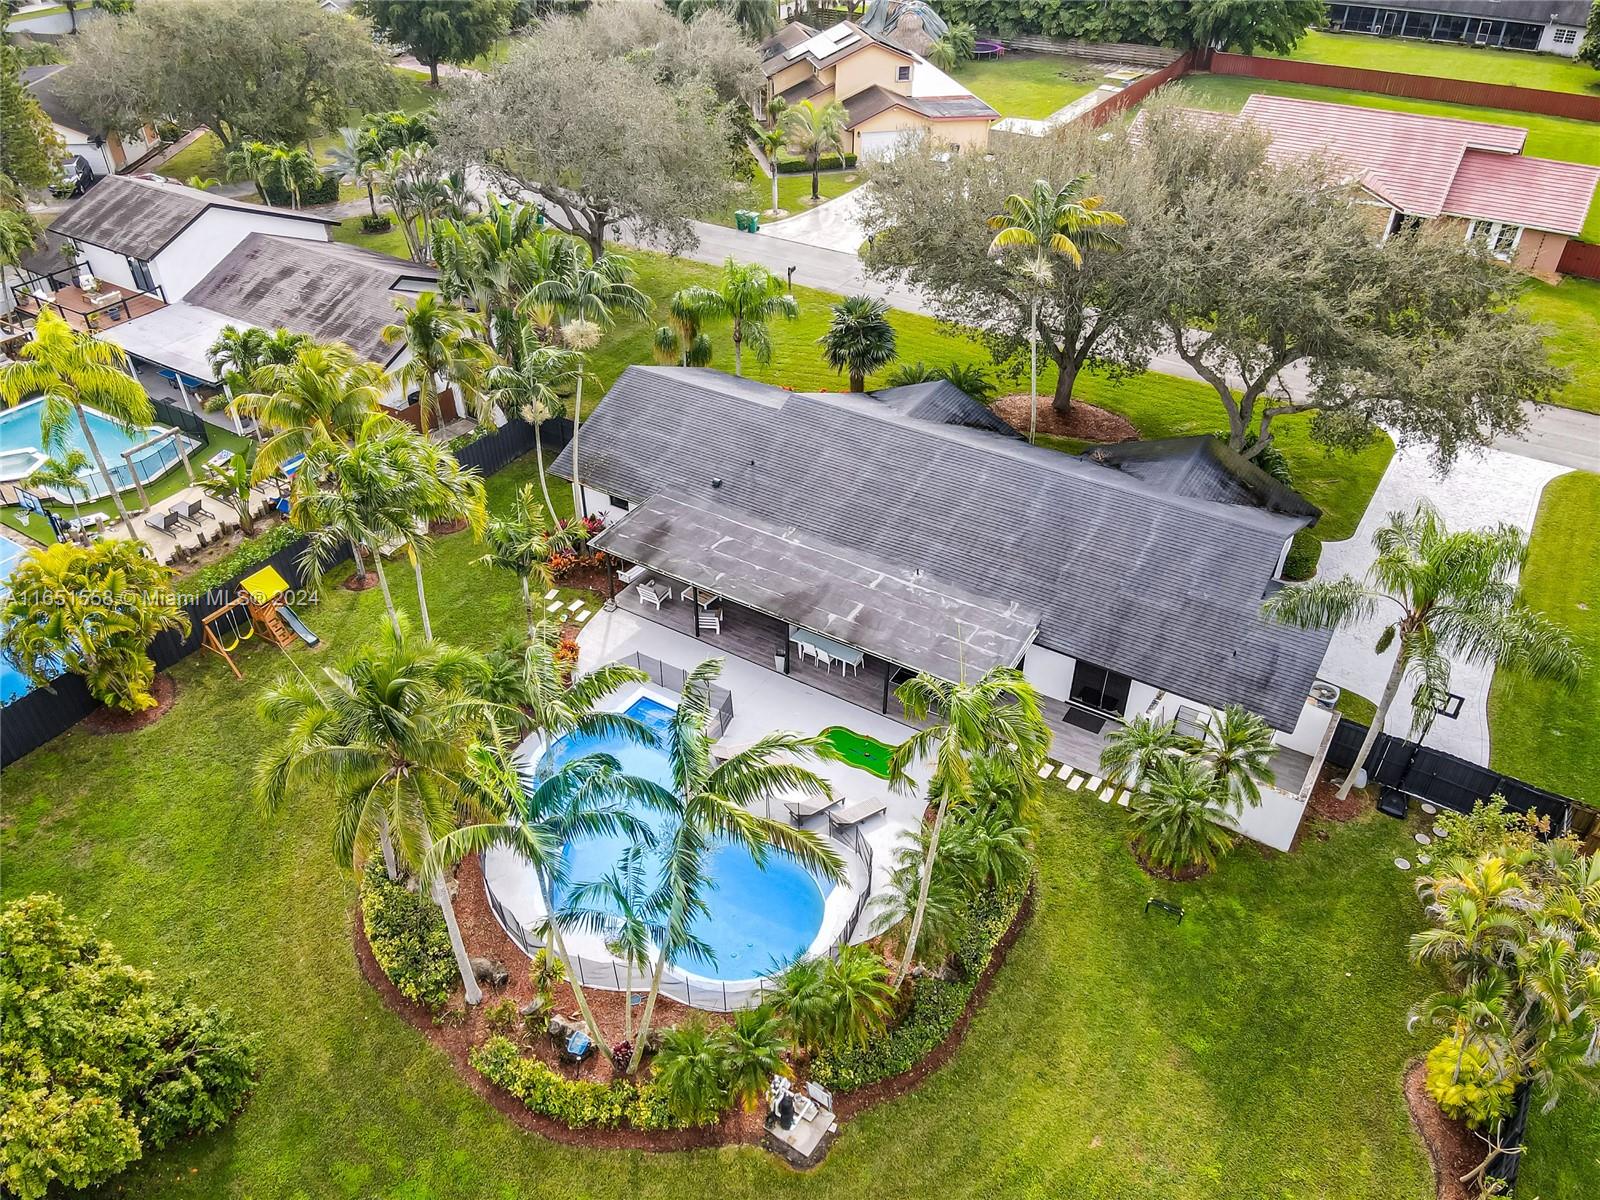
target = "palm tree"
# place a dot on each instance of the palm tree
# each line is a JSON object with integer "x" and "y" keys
{"x": 528, "y": 677}
{"x": 587, "y": 294}
{"x": 1239, "y": 747}
{"x": 748, "y": 295}
{"x": 324, "y": 395}
{"x": 482, "y": 262}
{"x": 944, "y": 907}
{"x": 680, "y": 339}
{"x": 1178, "y": 817}
{"x": 772, "y": 141}
{"x": 717, "y": 800}
{"x": 752, "y": 1051}
{"x": 62, "y": 473}
{"x": 387, "y": 735}
{"x": 230, "y": 483}
{"x": 586, "y": 797}
{"x": 954, "y": 47}
{"x": 1050, "y": 221}
{"x": 524, "y": 542}
{"x": 616, "y": 908}
{"x": 443, "y": 349}
{"x": 970, "y": 377}
{"x": 1135, "y": 747}
{"x": 534, "y": 385}
{"x": 813, "y": 132}
{"x": 72, "y": 371}
{"x": 689, "y": 1072}
{"x": 988, "y": 849}
{"x": 862, "y": 1000}
{"x": 356, "y": 156}
{"x": 1000, "y": 709}
{"x": 252, "y": 161}
{"x": 859, "y": 339}
{"x": 1454, "y": 593}
{"x": 803, "y": 1003}
{"x": 291, "y": 168}
{"x": 438, "y": 489}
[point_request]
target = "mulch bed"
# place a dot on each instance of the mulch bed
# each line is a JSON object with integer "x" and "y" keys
{"x": 458, "y": 1030}
{"x": 359, "y": 582}
{"x": 115, "y": 720}
{"x": 445, "y": 528}
{"x": 1186, "y": 875}
{"x": 585, "y": 579}
{"x": 1454, "y": 1149}
{"x": 1086, "y": 422}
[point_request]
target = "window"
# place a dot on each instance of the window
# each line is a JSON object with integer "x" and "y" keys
{"x": 1497, "y": 237}
{"x": 903, "y": 74}
{"x": 1565, "y": 37}
{"x": 618, "y": 503}
{"x": 140, "y": 270}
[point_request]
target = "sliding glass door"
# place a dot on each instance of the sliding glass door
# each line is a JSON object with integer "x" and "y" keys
{"x": 1099, "y": 689}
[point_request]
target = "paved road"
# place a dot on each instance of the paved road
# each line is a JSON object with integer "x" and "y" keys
{"x": 1554, "y": 435}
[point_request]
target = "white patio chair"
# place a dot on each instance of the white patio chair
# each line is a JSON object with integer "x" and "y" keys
{"x": 650, "y": 594}
{"x": 825, "y": 660}
{"x": 709, "y": 619}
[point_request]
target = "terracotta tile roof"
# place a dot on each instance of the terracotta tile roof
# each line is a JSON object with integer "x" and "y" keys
{"x": 1537, "y": 192}
{"x": 1430, "y": 166}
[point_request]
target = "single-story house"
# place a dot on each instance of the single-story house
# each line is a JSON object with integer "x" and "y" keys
{"x": 106, "y": 152}
{"x": 887, "y": 90}
{"x": 909, "y": 530}
{"x": 1469, "y": 173}
{"x": 1553, "y": 26}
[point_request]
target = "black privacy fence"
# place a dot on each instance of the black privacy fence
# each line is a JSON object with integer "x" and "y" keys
{"x": 47, "y": 712}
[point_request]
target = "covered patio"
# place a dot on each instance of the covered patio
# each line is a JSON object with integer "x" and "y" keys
{"x": 86, "y": 311}
{"x": 832, "y": 617}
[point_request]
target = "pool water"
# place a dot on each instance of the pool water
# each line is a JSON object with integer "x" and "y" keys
{"x": 22, "y": 447}
{"x": 13, "y": 683}
{"x": 760, "y": 918}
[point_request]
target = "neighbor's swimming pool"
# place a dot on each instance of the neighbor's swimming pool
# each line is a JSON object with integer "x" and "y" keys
{"x": 22, "y": 449}
{"x": 13, "y": 683}
{"x": 760, "y": 918}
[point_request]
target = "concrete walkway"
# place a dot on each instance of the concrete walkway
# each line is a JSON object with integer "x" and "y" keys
{"x": 832, "y": 225}
{"x": 1476, "y": 493}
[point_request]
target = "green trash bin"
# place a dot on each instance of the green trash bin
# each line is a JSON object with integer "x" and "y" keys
{"x": 755, "y": 222}
{"x": 741, "y": 218}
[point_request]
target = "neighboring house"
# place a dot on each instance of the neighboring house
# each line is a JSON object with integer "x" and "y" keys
{"x": 915, "y": 532}
{"x": 329, "y": 290}
{"x": 1471, "y": 174}
{"x": 1555, "y": 26}
{"x": 887, "y": 90}
{"x": 160, "y": 237}
{"x": 106, "y": 153}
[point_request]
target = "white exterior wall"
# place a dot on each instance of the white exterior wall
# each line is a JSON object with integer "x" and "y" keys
{"x": 1567, "y": 49}
{"x": 1049, "y": 672}
{"x": 113, "y": 268}
{"x": 1309, "y": 730}
{"x": 189, "y": 257}
{"x": 597, "y": 503}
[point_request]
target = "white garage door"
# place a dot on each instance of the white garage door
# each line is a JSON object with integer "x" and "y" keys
{"x": 874, "y": 147}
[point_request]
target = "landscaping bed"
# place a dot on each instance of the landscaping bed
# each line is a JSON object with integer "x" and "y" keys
{"x": 1086, "y": 422}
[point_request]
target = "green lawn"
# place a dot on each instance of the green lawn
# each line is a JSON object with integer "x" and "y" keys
{"x": 1030, "y": 85}
{"x": 1548, "y": 137}
{"x": 1573, "y": 307}
{"x": 1160, "y": 405}
{"x": 1255, "y": 1048}
{"x": 794, "y": 193}
{"x": 1548, "y": 72}
{"x": 393, "y": 242}
{"x": 1541, "y": 733}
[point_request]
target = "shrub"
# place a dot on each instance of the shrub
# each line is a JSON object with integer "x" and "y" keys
{"x": 691, "y": 1069}
{"x": 408, "y": 938}
{"x": 576, "y": 1103}
{"x": 828, "y": 162}
{"x": 502, "y": 1015}
{"x": 324, "y": 191}
{"x": 381, "y": 223}
{"x": 96, "y": 1063}
{"x": 1305, "y": 549}
{"x": 936, "y": 1004}
{"x": 1466, "y": 1084}
{"x": 238, "y": 560}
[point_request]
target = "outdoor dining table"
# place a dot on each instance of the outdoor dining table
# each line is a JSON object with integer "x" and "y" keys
{"x": 702, "y": 597}
{"x": 837, "y": 651}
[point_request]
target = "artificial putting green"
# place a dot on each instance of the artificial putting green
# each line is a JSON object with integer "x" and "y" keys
{"x": 859, "y": 750}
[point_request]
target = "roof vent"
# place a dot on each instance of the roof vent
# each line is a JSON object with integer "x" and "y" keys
{"x": 716, "y": 481}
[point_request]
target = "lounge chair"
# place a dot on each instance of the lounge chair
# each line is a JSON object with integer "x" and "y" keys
{"x": 708, "y": 620}
{"x": 857, "y": 812}
{"x": 165, "y": 522}
{"x": 802, "y": 809}
{"x": 650, "y": 594}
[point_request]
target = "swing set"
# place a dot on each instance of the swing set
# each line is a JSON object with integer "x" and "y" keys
{"x": 224, "y": 629}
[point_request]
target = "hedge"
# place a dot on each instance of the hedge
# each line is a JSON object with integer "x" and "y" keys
{"x": 1304, "y": 552}
{"x": 828, "y": 162}
{"x": 324, "y": 191}
{"x": 576, "y": 1103}
{"x": 247, "y": 554}
{"x": 936, "y": 1005}
{"x": 408, "y": 937}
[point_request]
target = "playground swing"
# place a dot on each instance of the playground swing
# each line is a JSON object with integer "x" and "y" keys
{"x": 225, "y": 628}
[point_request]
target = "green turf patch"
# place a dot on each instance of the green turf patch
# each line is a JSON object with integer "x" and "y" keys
{"x": 859, "y": 750}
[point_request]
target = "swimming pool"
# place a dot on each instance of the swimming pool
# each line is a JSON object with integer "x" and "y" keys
{"x": 13, "y": 683}
{"x": 760, "y": 918}
{"x": 22, "y": 450}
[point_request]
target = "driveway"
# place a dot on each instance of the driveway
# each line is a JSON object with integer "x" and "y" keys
{"x": 833, "y": 225}
{"x": 1476, "y": 492}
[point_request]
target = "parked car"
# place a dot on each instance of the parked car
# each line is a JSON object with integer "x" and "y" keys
{"x": 77, "y": 177}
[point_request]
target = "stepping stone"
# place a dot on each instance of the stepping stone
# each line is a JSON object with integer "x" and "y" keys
{"x": 1402, "y": 864}
{"x": 551, "y": 594}
{"x": 1123, "y": 800}
{"x": 575, "y": 605}
{"x": 1428, "y": 808}
{"x": 1107, "y": 792}
{"x": 1423, "y": 839}
{"x": 1094, "y": 783}
{"x": 1046, "y": 771}
{"x": 1075, "y": 782}
{"x": 1065, "y": 771}
{"x": 584, "y": 615}
{"x": 1439, "y": 831}
{"x": 553, "y": 606}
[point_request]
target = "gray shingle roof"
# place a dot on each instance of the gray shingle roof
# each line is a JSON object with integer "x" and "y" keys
{"x": 869, "y": 102}
{"x": 885, "y": 608}
{"x": 139, "y": 217}
{"x": 1158, "y": 585}
{"x": 1204, "y": 468}
{"x": 330, "y": 290}
{"x": 942, "y": 402}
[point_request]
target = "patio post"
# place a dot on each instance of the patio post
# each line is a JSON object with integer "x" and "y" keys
{"x": 127, "y": 457}
{"x": 183, "y": 391}
{"x": 611, "y": 584}
{"x": 694, "y": 617}
{"x": 233, "y": 411}
{"x": 888, "y": 673}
